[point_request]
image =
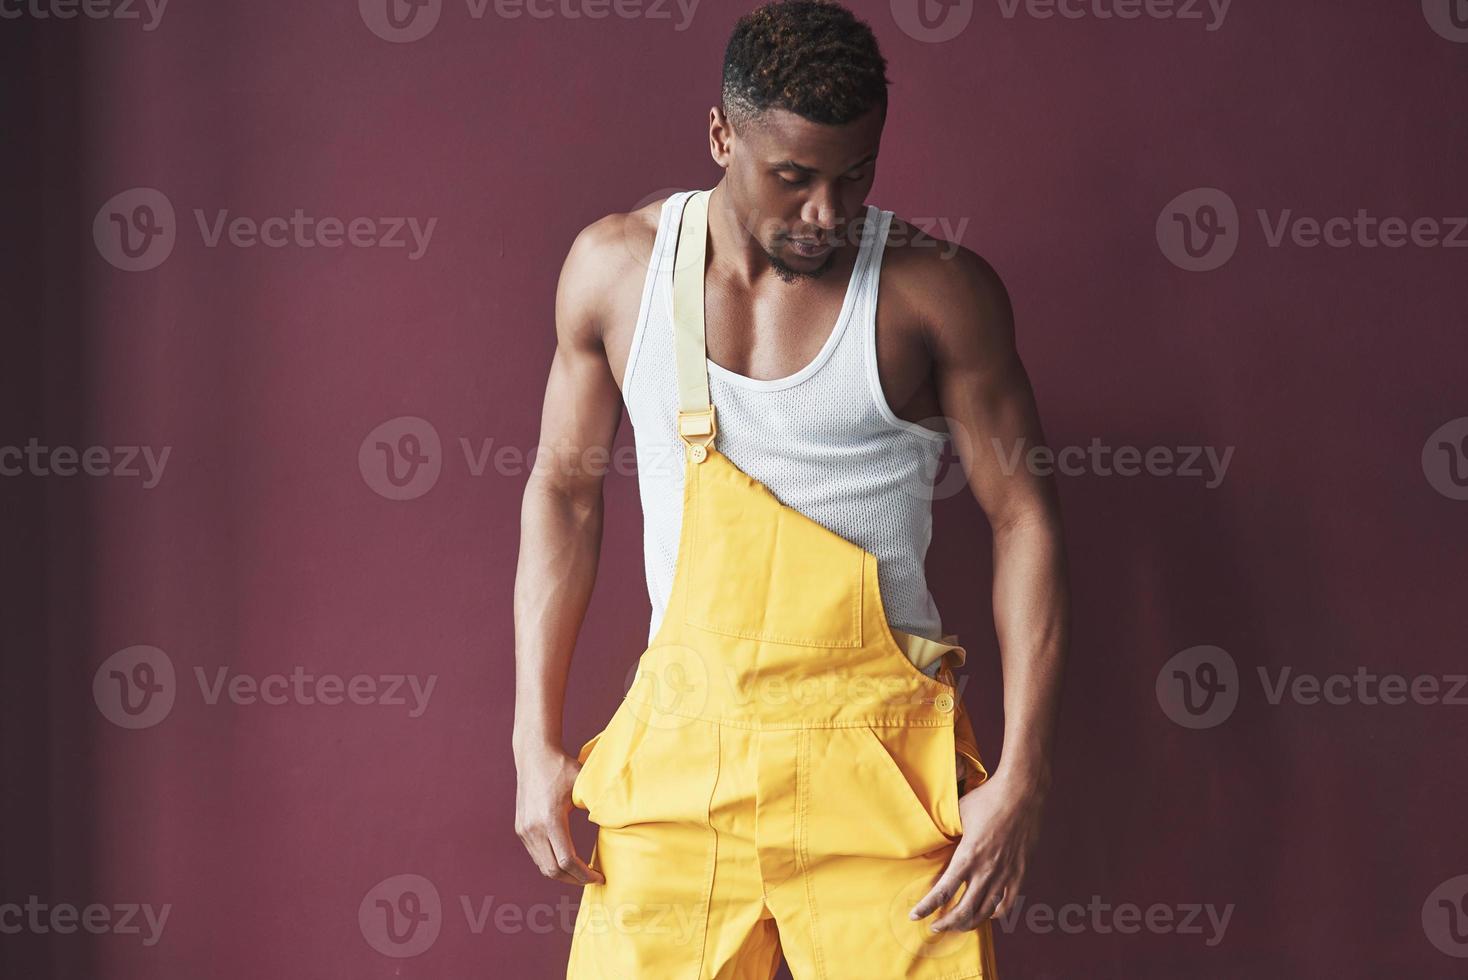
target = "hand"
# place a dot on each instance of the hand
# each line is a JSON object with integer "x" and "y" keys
{"x": 1001, "y": 823}
{"x": 542, "y": 815}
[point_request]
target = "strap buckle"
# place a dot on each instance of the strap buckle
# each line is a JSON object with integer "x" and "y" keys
{"x": 698, "y": 428}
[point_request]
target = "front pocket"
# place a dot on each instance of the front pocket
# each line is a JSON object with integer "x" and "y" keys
{"x": 925, "y": 760}
{"x": 883, "y": 792}
{"x": 662, "y": 772}
{"x": 588, "y": 749}
{"x": 765, "y": 571}
{"x": 602, "y": 757}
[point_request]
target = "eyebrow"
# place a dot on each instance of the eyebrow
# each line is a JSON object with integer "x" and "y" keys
{"x": 792, "y": 165}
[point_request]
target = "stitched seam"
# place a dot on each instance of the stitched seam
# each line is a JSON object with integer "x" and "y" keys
{"x": 713, "y": 859}
{"x": 881, "y": 721}
{"x": 854, "y": 639}
{"x": 887, "y": 647}
{"x": 890, "y": 763}
{"x": 802, "y": 854}
{"x": 799, "y": 641}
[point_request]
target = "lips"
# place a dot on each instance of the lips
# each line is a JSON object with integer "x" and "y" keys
{"x": 808, "y": 247}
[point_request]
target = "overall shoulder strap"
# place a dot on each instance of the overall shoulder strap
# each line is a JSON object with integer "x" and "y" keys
{"x": 696, "y": 424}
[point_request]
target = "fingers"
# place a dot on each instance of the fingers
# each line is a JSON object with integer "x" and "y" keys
{"x": 555, "y": 854}
{"x": 983, "y": 891}
{"x": 555, "y": 868}
{"x": 978, "y": 903}
{"x": 943, "y": 889}
{"x": 566, "y": 862}
{"x": 538, "y": 844}
{"x": 1006, "y": 904}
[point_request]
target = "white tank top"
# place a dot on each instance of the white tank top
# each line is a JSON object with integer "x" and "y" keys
{"x": 823, "y": 440}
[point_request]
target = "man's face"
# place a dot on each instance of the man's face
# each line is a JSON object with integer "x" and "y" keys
{"x": 798, "y": 185}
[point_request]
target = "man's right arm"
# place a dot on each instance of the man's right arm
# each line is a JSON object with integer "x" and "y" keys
{"x": 560, "y": 543}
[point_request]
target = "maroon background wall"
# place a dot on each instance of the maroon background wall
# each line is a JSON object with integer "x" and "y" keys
{"x": 1328, "y": 834}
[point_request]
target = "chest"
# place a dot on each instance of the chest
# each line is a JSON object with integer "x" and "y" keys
{"x": 775, "y": 333}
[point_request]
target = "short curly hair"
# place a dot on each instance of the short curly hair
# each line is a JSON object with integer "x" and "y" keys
{"x": 811, "y": 57}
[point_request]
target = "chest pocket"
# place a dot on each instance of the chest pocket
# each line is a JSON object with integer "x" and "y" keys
{"x": 765, "y": 571}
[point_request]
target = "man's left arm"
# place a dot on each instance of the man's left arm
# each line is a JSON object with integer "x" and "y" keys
{"x": 991, "y": 414}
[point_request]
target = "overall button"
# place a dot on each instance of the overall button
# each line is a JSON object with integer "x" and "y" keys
{"x": 697, "y": 453}
{"x": 943, "y": 702}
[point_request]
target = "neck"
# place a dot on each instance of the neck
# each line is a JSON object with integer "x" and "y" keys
{"x": 736, "y": 252}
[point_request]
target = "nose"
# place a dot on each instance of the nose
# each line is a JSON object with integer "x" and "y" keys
{"x": 821, "y": 209}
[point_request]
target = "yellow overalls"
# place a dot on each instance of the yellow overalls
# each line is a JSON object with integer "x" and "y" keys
{"x": 781, "y": 775}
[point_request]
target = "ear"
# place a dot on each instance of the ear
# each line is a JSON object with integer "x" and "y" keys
{"x": 721, "y": 137}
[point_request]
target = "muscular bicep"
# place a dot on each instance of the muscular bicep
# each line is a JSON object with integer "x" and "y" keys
{"x": 583, "y": 406}
{"x": 985, "y": 392}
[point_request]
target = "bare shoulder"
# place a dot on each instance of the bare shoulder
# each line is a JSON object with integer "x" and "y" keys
{"x": 947, "y": 291}
{"x": 604, "y": 270}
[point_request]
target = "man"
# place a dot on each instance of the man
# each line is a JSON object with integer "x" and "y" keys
{"x": 785, "y": 470}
